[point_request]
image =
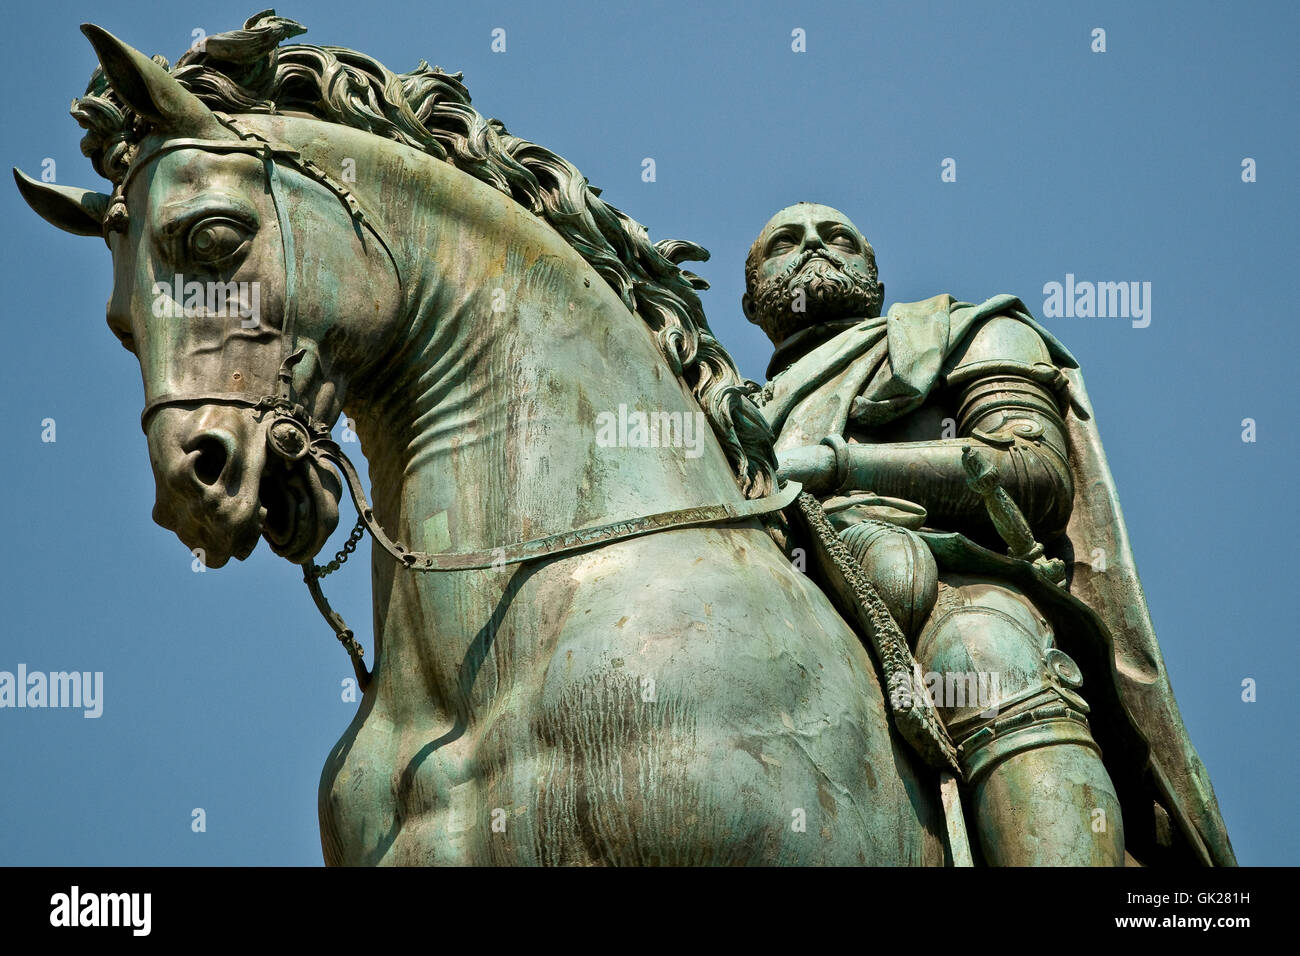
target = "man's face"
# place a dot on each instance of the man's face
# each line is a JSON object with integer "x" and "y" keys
{"x": 810, "y": 265}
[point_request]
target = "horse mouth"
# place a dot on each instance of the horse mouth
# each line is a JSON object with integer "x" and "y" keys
{"x": 293, "y": 512}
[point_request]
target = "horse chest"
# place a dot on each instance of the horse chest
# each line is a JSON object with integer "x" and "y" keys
{"x": 689, "y": 726}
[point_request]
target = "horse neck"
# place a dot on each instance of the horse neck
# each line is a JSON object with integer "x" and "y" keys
{"x": 483, "y": 430}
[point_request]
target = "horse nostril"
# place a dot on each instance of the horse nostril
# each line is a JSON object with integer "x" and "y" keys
{"x": 212, "y": 457}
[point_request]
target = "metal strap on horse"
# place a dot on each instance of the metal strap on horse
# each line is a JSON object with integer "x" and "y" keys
{"x": 294, "y": 436}
{"x": 322, "y": 447}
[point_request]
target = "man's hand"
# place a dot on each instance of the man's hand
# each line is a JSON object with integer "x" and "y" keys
{"x": 813, "y": 466}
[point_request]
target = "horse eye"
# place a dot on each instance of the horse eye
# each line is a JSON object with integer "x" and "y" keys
{"x": 214, "y": 240}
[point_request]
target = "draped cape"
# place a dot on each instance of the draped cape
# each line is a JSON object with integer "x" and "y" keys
{"x": 883, "y": 368}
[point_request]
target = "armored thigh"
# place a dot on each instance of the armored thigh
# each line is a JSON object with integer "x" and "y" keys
{"x": 901, "y": 568}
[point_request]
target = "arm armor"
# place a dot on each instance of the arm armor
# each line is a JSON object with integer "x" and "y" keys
{"x": 1007, "y": 409}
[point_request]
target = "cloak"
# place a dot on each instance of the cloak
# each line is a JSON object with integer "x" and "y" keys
{"x": 877, "y": 370}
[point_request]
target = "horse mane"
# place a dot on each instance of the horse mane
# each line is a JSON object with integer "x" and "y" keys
{"x": 247, "y": 71}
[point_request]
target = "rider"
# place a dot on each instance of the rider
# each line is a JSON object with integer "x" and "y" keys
{"x": 873, "y": 415}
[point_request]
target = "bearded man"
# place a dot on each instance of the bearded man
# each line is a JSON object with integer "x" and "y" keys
{"x": 881, "y": 418}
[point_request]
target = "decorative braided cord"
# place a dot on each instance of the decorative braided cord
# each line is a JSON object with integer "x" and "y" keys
{"x": 909, "y": 702}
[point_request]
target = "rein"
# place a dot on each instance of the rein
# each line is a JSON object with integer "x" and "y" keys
{"x": 294, "y": 434}
{"x": 324, "y": 448}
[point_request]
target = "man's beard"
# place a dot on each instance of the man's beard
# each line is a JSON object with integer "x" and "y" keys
{"x": 832, "y": 288}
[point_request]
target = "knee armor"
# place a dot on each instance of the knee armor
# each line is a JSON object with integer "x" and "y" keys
{"x": 988, "y": 638}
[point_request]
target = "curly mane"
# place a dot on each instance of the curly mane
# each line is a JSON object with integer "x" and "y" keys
{"x": 247, "y": 71}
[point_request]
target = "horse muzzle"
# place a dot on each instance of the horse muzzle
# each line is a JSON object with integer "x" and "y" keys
{"x": 227, "y": 475}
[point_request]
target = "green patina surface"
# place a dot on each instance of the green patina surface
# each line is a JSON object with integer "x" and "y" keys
{"x": 686, "y": 696}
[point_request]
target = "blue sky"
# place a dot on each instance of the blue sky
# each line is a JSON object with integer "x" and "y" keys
{"x": 222, "y": 689}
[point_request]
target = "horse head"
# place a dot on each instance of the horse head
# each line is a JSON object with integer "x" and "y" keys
{"x": 228, "y": 288}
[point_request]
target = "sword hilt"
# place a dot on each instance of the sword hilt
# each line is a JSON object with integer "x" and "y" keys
{"x": 1007, "y": 518}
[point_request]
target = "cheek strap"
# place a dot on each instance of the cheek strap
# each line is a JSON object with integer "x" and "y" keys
{"x": 250, "y": 142}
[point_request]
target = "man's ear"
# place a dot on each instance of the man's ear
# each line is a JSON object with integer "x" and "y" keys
{"x": 747, "y": 306}
{"x": 881, "y": 287}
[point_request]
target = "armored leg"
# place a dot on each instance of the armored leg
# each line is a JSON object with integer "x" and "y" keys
{"x": 900, "y": 566}
{"x": 1039, "y": 792}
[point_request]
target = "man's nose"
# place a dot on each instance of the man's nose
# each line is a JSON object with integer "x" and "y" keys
{"x": 812, "y": 240}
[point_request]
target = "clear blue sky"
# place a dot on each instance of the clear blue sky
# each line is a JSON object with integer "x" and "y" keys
{"x": 222, "y": 689}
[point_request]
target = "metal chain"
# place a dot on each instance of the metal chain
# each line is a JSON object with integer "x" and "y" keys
{"x": 340, "y": 558}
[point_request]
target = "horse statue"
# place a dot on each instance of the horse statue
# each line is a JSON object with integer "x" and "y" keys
{"x": 538, "y": 696}
{"x": 594, "y": 638}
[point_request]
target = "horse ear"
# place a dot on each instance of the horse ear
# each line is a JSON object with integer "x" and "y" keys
{"x": 78, "y": 211}
{"x": 149, "y": 89}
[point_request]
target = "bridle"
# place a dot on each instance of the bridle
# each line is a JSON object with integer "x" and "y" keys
{"x": 269, "y": 152}
{"x": 294, "y": 435}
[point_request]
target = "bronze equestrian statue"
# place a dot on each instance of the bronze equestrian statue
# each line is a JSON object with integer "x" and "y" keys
{"x": 586, "y": 651}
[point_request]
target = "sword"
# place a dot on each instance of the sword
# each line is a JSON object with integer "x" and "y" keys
{"x": 982, "y": 478}
{"x": 958, "y": 840}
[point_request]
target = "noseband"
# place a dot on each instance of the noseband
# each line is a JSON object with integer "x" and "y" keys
{"x": 294, "y": 435}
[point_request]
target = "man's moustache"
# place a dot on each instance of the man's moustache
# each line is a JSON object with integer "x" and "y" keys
{"x": 810, "y": 255}
{"x": 782, "y": 285}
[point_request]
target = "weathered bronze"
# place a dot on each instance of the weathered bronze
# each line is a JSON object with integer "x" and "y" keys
{"x": 956, "y": 452}
{"x": 593, "y": 649}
